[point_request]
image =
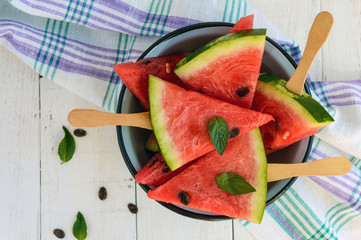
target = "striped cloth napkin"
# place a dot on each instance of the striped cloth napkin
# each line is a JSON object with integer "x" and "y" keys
{"x": 76, "y": 43}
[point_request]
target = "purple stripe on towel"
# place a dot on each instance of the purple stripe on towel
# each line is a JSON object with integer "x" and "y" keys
{"x": 284, "y": 222}
{"x": 65, "y": 65}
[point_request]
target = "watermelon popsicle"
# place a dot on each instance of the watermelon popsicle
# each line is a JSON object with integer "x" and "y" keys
{"x": 180, "y": 121}
{"x": 226, "y": 68}
{"x": 135, "y": 75}
{"x": 198, "y": 181}
{"x": 296, "y": 117}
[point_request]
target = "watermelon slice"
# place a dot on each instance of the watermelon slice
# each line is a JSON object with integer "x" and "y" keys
{"x": 135, "y": 75}
{"x": 296, "y": 117}
{"x": 227, "y": 68}
{"x": 157, "y": 172}
{"x": 151, "y": 143}
{"x": 180, "y": 121}
{"x": 198, "y": 181}
{"x": 244, "y": 23}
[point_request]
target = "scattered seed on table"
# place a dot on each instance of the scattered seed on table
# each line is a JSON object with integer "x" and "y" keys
{"x": 132, "y": 208}
{"x": 102, "y": 193}
{"x": 80, "y": 132}
{"x": 59, "y": 233}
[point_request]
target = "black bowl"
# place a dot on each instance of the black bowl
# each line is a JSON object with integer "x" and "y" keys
{"x": 132, "y": 140}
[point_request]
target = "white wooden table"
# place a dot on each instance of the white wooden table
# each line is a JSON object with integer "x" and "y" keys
{"x": 38, "y": 194}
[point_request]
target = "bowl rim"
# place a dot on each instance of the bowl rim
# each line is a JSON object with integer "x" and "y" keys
{"x": 125, "y": 155}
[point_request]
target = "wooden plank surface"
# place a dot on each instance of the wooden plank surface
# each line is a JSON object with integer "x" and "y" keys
{"x": 73, "y": 186}
{"x": 342, "y": 53}
{"x": 19, "y": 150}
{"x": 294, "y": 18}
{"x": 155, "y": 222}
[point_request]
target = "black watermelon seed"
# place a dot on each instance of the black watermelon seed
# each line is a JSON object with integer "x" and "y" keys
{"x": 59, "y": 233}
{"x": 145, "y": 62}
{"x": 277, "y": 125}
{"x": 154, "y": 161}
{"x": 102, "y": 193}
{"x": 166, "y": 169}
{"x": 132, "y": 208}
{"x": 233, "y": 133}
{"x": 80, "y": 132}
{"x": 183, "y": 197}
{"x": 269, "y": 148}
{"x": 242, "y": 91}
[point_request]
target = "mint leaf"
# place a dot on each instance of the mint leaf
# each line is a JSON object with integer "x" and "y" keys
{"x": 79, "y": 227}
{"x": 66, "y": 147}
{"x": 218, "y": 130}
{"x": 233, "y": 184}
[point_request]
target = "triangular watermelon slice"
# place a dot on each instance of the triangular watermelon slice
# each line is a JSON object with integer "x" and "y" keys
{"x": 135, "y": 75}
{"x": 243, "y": 23}
{"x": 180, "y": 121}
{"x": 244, "y": 156}
{"x": 226, "y": 68}
{"x": 296, "y": 117}
{"x": 157, "y": 172}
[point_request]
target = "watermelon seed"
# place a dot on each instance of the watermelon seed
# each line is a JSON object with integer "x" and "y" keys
{"x": 183, "y": 197}
{"x": 167, "y": 68}
{"x": 146, "y": 62}
{"x": 102, "y": 194}
{"x": 277, "y": 125}
{"x": 242, "y": 91}
{"x": 59, "y": 233}
{"x": 166, "y": 169}
{"x": 286, "y": 135}
{"x": 233, "y": 133}
{"x": 132, "y": 208}
{"x": 80, "y": 132}
{"x": 152, "y": 163}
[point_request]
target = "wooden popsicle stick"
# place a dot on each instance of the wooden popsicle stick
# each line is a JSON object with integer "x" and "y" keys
{"x": 317, "y": 36}
{"x": 323, "y": 167}
{"x": 93, "y": 118}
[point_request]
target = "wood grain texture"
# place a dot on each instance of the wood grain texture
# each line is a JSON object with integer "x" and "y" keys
{"x": 73, "y": 186}
{"x": 19, "y": 150}
{"x": 342, "y": 51}
{"x": 317, "y": 36}
{"x": 155, "y": 222}
{"x": 95, "y": 118}
{"x": 294, "y": 18}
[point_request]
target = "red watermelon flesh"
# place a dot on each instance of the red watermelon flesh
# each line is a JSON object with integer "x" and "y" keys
{"x": 244, "y": 156}
{"x": 157, "y": 172}
{"x": 226, "y": 68}
{"x": 243, "y": 24}
{"x": 296, "y": 117}
{"x": 135, "y": 75}
{"x": 180, "y": 121}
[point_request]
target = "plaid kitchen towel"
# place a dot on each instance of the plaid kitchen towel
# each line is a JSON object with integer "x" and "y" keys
{"x": 76, "y": 43}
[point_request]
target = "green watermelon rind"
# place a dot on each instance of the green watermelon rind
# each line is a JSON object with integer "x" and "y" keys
{"x": 219, "y": 47}
{"x": 305, "y": 105}
{"x": 152, "y": 144}
{"x": 156, "y": 111}
{"x": 260, "y": 197}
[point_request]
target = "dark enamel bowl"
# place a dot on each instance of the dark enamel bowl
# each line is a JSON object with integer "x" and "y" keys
{"x": 132, "y": 140}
